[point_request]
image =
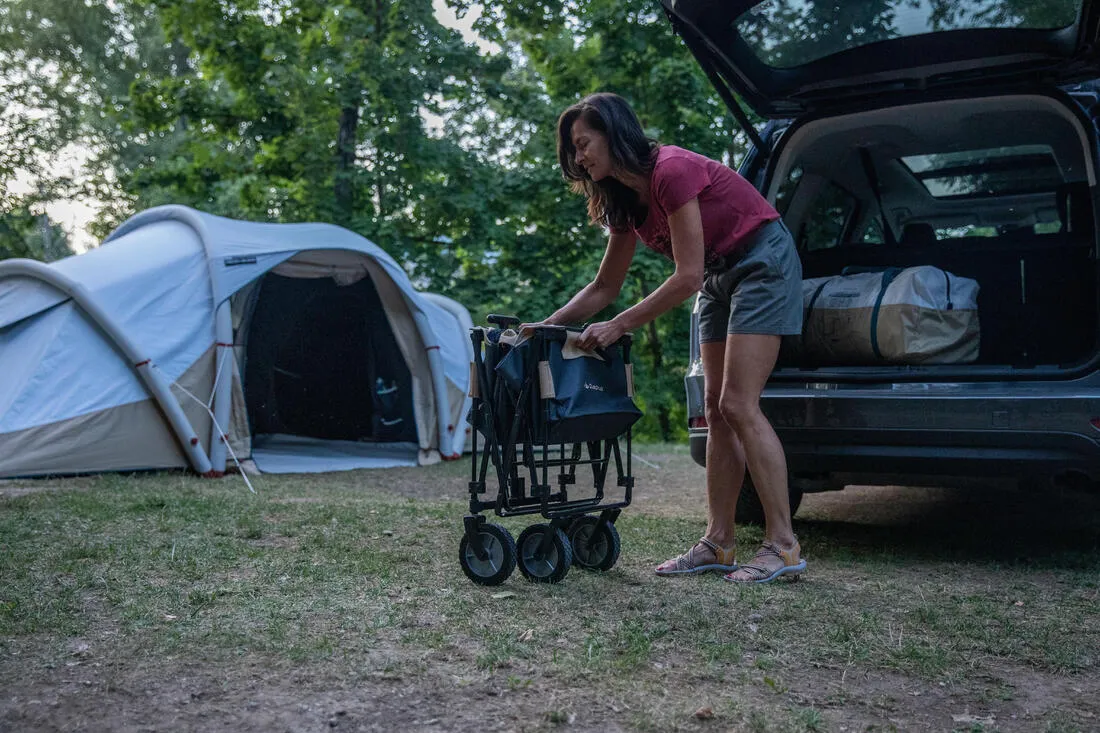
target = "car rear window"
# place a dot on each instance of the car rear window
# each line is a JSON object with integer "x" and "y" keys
{"x": 789, "y": 33}
{"x": 1002, "y": 171}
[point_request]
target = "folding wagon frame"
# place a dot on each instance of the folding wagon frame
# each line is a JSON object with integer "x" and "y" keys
{"x": 574, "y": 534}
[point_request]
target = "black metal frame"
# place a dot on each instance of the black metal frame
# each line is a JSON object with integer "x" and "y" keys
{"x": 526, "y": 446}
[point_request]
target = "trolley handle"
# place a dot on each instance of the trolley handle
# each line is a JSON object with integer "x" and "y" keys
{"x": 560, "y": 333}
{"x": 553, "y": 333}
{"x": 623, "y": 343}
{"x": 502, "y": 321}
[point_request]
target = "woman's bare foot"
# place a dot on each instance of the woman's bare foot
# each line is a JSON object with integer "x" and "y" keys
{"x": 769, "y": 563}
{"x": 703, "y": 557}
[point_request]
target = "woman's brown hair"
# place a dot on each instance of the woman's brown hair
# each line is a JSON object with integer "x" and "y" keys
{"x": 610, "y": 202}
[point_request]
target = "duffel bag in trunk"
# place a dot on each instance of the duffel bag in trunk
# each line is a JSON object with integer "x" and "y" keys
{"x": 915, "y": 315}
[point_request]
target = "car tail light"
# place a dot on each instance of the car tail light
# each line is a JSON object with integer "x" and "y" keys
{"x": 701, "y": 422}
{"x": 1095, "y": 422}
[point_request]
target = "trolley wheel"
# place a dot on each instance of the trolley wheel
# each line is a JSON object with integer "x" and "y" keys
{"x": 596, "y": 543}
{"x": 500, "y": 559}
{"x": 544, "y": 567}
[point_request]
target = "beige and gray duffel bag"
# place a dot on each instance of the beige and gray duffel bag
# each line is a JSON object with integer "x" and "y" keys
{"x": 916, "y": 315}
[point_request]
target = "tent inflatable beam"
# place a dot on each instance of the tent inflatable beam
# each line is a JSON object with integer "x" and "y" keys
{"x": 223, "y": 326}
{"x": 223, "y": 380}
{"x": 154, "y": 382}
{"x": 446, "y": 431}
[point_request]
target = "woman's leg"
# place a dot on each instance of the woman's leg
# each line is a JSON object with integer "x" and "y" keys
{"x": 750, "y": 359}
{"x": 725, "y": 454}
{"x": 725, "y": 464}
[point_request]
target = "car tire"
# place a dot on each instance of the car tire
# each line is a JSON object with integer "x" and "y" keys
{"x": 749, "y": 508}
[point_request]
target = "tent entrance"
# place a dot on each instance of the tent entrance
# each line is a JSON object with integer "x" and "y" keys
{"x": 321, "y": 362}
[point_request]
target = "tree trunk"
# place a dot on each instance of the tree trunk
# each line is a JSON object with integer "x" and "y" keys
{"x": 345, "y": 164}
{"x": 181, "y": 65}
{"x": 381, "y": 7}
{"x": 656, "y": 356}
{"x": 180, "y": 53}
{"x": 732, "y": 151}
{"x": 380, "y": 181}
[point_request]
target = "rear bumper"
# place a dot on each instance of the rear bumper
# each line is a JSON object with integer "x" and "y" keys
{"x": 900, "y": 452}
{"x": 1006, "y": 430}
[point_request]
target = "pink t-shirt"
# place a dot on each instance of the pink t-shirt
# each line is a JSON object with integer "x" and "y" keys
{"x": 731, "y": 208}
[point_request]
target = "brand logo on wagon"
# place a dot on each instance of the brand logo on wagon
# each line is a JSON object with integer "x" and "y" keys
{"x": 595, "y": 387}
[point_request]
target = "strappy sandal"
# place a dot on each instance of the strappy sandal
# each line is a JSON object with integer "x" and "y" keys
{"x": 725, "y": 559}
{"x": 793, "y": 564}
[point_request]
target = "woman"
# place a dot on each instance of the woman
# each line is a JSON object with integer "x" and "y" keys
{"x": 726, "y": 241}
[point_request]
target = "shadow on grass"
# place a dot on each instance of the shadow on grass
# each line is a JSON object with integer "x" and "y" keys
{"x": 1051, "y": 529}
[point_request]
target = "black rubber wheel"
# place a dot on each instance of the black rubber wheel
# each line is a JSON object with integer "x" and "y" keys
{"x": 749, "y": 508}
{"x": 596, "y": 544}
{"x": 500, "y": 562}
{"x": 548, "y": 567}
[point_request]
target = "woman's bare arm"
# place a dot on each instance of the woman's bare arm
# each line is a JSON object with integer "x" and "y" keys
{"x": 685, "y": 225}
{"x": 603, "y": 290}
{"x": 686, "y": 229}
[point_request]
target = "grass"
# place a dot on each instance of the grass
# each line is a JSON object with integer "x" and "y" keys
{"x": 337, "y": 573}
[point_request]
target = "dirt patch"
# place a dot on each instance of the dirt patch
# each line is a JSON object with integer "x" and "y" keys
{"x": 1006, "y": 699}
{"x": 272, "y": 696}
{"x": 275, "y": 541}
{"x": 252, "y": 698}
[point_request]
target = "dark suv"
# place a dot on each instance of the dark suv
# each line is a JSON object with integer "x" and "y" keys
{"x": 955, "y": 135}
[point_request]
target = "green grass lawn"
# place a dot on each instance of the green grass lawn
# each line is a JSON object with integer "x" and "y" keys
{"x": 341, "y": 578}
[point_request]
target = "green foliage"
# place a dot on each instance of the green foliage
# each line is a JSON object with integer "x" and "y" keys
{"x": 317, "y": 111}
{"x": 35, "y": 236}
{"x": 14, "y": 228}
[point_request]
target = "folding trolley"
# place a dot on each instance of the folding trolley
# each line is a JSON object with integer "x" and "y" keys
{"x": 540, "y": 403}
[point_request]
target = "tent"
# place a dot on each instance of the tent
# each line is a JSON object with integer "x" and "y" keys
{"x": 305, "y": 345}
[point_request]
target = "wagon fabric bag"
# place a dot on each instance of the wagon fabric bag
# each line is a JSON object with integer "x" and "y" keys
{"x": 585, "y": 395}
{"x": 915, "y": 315}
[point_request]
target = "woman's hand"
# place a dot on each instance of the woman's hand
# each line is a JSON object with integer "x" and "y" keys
{"x": 600, "y": 335}
{"x": 526, "y": 329}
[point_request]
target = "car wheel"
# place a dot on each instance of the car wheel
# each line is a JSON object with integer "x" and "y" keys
{"x": 749, "y": 508}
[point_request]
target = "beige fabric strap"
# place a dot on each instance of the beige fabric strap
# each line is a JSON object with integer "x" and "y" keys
{"x": 546, "y": 381}
{"x": 570, "y": 350}
{"x": 475, "y": 385}
{"x": 790, "y": 557}
{"x": 722, "y": 555}
{"x": 511, "y": 337}
{"x": 630, "y": 381}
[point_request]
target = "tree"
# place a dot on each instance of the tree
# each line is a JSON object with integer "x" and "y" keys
{"x": 65, "y": 75}
{"x": 316, "y": 111}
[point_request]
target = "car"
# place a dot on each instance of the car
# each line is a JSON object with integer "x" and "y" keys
{"x": 957, "y": 138}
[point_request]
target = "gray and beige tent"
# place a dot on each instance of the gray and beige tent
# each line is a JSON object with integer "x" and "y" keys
{"x": 304, "y": 345}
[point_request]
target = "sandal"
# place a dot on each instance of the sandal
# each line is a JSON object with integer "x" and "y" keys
{"x": 687, "y": 564}
{"x": 793, "y": 564}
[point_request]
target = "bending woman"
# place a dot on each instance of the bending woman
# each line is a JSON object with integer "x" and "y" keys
{"x": 726, "y": 241}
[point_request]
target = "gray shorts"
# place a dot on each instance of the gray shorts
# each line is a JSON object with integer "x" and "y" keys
{"x": 757, "y": 289}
